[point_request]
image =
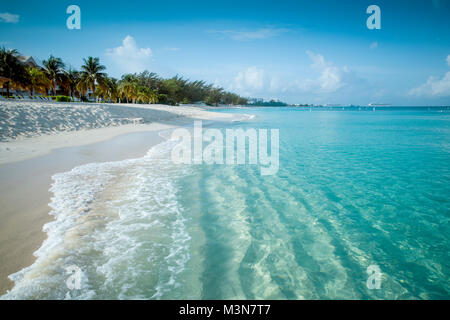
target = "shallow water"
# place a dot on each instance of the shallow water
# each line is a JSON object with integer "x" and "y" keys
{"x": 355, "y": 188}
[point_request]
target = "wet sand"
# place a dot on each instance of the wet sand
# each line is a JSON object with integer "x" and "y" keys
{"x": 25, "y": 181}
{"x": 24, "y": 194}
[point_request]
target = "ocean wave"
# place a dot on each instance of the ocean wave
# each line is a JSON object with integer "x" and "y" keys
{"x": 118, "y": 224}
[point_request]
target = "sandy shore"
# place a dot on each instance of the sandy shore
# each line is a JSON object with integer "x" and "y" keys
{"x": 27, "y": 165}
{"x": 36, "y": 128}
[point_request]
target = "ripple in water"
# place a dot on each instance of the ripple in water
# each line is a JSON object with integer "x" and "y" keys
{"x": 354, "y": 189}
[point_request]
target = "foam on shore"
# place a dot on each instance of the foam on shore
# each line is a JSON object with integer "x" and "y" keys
{"x": 112, "y": 220}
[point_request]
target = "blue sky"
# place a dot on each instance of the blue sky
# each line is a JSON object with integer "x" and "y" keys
{"x": 297, "y": 51}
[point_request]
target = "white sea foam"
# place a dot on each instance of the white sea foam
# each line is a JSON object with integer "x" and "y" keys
{"x": 120, "y": 223}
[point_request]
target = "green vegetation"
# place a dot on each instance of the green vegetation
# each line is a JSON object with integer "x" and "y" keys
{"x": 54, "y": 70}
{"x": 72, "y": 80}
{"x": 91, "y": 74}
{"x": 91, "y": 82}
{"x": 62, "y": 99}
{"x": 37, "y": 80}
{"x": 271, "y": 103}
{"x": 12, "y": 70}
{"x": 173, "y": 91}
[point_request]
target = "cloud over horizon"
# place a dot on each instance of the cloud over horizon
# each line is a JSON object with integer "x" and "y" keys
{"x": 129, "y": 57}
{"x": 255, "y": 81}
{"x": 331, "y": 78}
{"x": 434, "y": 87}
{"x": 249, "y": 81}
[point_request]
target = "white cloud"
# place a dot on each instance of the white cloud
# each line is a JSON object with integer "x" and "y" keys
{"x": 254, "y": 81}
{"x": 9, "y": 17}
{"x": 129, "y": 57}
{"x": 330, "y": 79}
{"x": 249, "y": 81}
{"x": 246, "y": 35}
{"x": 374, "y": 45}
{"x": 275, "y": 85}
{"x": 434, "y": 86}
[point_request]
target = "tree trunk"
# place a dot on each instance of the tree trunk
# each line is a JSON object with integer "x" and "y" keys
{"x": 7, "y": 89}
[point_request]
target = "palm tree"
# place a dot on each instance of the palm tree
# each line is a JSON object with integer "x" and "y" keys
{"x": 38, "y": 80}
{"x": 146, "y": 95}
{"x": 127, "y": 89}
{"x": 72, "y": 78}
{"x": 54, "y": 69}
{"x": 91, "y": 74}
{"x": 108, "y": 89}
{"x": 11, "y": 68}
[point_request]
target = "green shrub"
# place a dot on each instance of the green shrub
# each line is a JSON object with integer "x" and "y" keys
{"x": 63, "y": 99}
{"x": 165, "y": 99}
{"x": 212, "y": 100}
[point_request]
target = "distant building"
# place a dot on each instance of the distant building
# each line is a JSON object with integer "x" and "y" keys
{"x": 25, "y": 60}
{"x": 28, "y": 61}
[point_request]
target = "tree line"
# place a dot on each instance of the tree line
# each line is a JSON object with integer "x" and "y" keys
{"x": 144, "y": 87}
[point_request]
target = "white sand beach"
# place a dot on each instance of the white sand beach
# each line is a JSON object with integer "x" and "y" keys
{"x": 36, "y": 128}
{"x": 40, "y": 139}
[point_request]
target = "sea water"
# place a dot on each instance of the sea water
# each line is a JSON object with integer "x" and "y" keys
{"x": 356, "y": 188}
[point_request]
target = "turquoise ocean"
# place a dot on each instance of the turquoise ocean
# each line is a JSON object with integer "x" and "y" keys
{"x": 356, "y": 187}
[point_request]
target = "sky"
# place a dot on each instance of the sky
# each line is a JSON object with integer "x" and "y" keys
{"x": 313, "y": 52}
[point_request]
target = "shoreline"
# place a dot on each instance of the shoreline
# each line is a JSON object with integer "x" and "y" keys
{"x": 27, "y": 177}
{"x": 77, "y": 120}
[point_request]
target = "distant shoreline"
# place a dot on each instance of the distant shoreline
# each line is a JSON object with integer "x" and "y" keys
{"x": 320, "y": 106}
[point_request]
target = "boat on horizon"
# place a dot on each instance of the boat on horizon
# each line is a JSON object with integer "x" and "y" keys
{"x": 379, "y": 105}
